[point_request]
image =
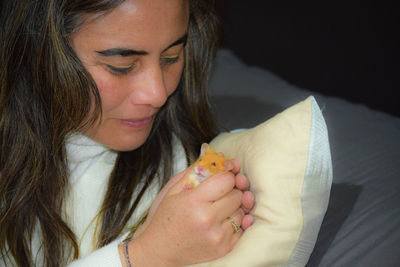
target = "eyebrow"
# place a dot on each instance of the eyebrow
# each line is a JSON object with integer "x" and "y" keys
{"x": 130, "y": 52}
{"x": 181, "y": 40}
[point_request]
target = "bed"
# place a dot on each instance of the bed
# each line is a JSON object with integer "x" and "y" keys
{"x": 361, "y": 224}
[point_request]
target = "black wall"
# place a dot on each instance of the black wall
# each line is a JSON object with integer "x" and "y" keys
{"x": 344, "y": 49}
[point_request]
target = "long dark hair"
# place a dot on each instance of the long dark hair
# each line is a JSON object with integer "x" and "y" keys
{"x": 45, "y": 94}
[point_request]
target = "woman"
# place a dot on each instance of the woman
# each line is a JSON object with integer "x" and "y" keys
{"x": 101, "y": 103}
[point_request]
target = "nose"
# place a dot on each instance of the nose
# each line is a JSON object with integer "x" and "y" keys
{"x": 150, "y": 88}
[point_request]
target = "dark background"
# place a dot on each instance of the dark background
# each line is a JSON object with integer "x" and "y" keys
{"x": 345, "y": 49}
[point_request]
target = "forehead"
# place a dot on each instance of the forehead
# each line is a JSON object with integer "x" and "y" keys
{"x": 137, "y": 22}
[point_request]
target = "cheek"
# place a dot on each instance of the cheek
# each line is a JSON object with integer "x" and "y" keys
{"x": 173, "y": 76}
{"x": 108, "y": 89}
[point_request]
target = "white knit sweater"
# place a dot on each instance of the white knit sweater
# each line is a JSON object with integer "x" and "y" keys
{"x": 90, "y": 165}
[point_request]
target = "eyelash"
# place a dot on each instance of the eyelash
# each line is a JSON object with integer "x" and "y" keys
{"x": 119, "y": 71}
{"x": 170, "y": 60}
{"x": 122, "y": 71}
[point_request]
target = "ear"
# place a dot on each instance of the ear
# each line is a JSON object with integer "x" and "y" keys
{"x": 204, "y": 149}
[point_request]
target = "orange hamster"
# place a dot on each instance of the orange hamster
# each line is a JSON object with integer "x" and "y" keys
{"x": 209, "y": 163}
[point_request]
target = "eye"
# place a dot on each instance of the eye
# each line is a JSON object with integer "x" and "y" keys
{"x": 167, "y": 60}
{"x": 119, "y": 70}
{"x": 213, "y": 164}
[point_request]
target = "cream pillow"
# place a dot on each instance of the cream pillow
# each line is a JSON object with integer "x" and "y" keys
{"x": 288, "y": 162}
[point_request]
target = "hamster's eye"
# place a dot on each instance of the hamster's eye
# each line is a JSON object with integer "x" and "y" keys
{"x": 213, "y": 164}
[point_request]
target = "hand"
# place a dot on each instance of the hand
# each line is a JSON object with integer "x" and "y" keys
{"x": 191, "y": 226}
{"x": 241, "y": 182}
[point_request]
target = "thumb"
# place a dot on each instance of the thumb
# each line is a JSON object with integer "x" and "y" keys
{"x": 179, "y": 185}
{"x": 170, "y": 186}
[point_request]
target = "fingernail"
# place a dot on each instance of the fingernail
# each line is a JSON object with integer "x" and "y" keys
{"x": 228, "y": 165}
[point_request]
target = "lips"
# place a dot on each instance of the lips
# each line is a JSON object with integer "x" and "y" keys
{"x": 137, "y": 123}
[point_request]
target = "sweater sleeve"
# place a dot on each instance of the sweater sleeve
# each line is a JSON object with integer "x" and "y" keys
{"x": 107, "y": 256}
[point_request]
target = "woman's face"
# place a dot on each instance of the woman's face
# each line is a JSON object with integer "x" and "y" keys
{"x": 135, "y": 56}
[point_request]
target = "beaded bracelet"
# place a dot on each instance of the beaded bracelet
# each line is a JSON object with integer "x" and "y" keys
{"x": 126, "y": 242}
{"x": 129, "y": 238}
{"x": 126, "y": 253}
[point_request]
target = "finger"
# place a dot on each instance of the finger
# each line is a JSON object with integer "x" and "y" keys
{"x": 166, "y": 189}
{"x": 174, "y": 181}
{"x": 242, "y": 182}
{"x": 247, "y": 201}
{"x": 232, "y": 165}
{"x": 235, "y": 238}
{"x": 237, "y": 218}
{"x": 234, "y": 221}
{"x": 216, "y": 186}
{"x": 247, "y": 221}
{"x": 179, "y": 182}
{"x": 228, "y": 204}
{"x": 231, "y": 236}
{"x": 236, "y": 166}
{"x": 229, "y": 165}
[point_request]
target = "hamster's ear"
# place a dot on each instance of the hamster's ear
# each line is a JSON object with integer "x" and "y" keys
{"x": 203, "y": 150}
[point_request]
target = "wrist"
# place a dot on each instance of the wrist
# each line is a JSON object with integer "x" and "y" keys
{"x": 135, "y": 253}
{"x": 123, "y": 254}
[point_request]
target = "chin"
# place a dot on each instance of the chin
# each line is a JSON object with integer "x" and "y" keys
{"x": 126, "y": 147}
{"x": 124, "y": 144}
